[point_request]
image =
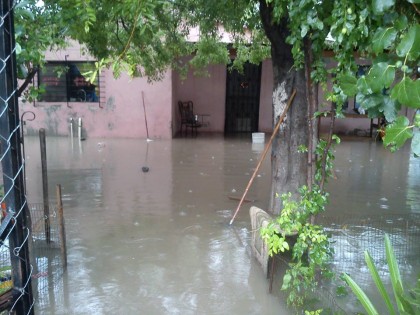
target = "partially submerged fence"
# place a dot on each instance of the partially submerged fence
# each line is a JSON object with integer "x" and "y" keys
{"x": 350, "y": 237}
{"x": 15, "y": 219}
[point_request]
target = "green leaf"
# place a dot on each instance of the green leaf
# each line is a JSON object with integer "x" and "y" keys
{"x": 380, "y": 6}
{"x": 401, "y": 22}
{"x": 363, "y": 86}
{"x": 407, "y": 92}
{"x": 286, "y": 280}
{"x": 397, "y": 133}
{"x": 304, "y": 30}
{"x": 410, "y": 44}
{"x": 383, "y": 39}
{"x": 370, "y": 101}
{"x": 415, "y": 143}
{"x": 414, "y": 1}
{"x": 348, "y": 84}
{"x": 389, "y": 108}
{"x": 361, "y": 296}
{"x": 394, "y": 272}
{"x": 380, "y": 76}
{"x": 378, "y": 282}
{"x": 18, "y": 49}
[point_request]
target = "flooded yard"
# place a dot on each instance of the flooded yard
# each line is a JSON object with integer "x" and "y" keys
{"x": 159, "y": 241}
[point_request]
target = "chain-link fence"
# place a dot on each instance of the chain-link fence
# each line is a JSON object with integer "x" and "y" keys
{"x": 16, "y": 271}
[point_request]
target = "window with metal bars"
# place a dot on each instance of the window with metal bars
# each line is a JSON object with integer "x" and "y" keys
{"x": 67, "y": 82}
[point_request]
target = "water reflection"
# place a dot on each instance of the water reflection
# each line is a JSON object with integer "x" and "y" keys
{"x": 156, "y": 242}
{"x": 159, "y": 242}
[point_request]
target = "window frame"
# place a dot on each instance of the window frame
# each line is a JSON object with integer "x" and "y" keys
{"x": 73, "y": 86}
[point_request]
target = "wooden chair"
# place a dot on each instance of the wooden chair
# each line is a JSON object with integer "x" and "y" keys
{"x": 188, "y": 118}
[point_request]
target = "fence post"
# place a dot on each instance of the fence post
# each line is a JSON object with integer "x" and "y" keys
{"x": 61, "y": 227}
{"x": 43, "y": 147}
{"x": 12, "y": 166}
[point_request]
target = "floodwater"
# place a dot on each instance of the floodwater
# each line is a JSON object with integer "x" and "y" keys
{"x": 159, "y": 242}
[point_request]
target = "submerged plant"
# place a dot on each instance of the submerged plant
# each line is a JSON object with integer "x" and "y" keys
{"x": 310, "y": 249}
{"x": 408, "y": 303}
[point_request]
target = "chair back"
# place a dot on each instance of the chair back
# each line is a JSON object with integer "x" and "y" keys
{"x": 186, "y": 110}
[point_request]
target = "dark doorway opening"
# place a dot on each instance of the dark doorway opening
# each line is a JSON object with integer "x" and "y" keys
{"x": 243, "y": 99}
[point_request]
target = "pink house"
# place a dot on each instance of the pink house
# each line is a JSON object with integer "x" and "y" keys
{"x": 119, "y": 106}
{"x": 116, "y": 107}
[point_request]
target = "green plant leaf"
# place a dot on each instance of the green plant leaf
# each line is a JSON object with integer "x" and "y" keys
{"x": 394, "y": 272}
{"x": 383, "y": 39}
{"x": 363, "y": 86}
{"x": 378, "y": 282}
{"x": 348, "y": 84}
{"x": 286, "y": 280}
{"x": 397, "y": 133}
{"x": 370, "y": 101}
{"x": 390, "y": 109}
{"x": 380, "y": 76}
{"x": 380, "y": 6}
{"x": 407, "y": 92}
{"x": 410, "y": 44}
{"x": 361, "y": 296}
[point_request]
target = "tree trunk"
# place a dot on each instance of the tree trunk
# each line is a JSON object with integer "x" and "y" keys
{"x": 289, "y": 167}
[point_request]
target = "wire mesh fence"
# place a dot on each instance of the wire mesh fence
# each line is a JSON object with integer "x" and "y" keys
{"x": 350, "y": 237}
{"x": 48, "y": 261}
{"x": 15, "y": 219}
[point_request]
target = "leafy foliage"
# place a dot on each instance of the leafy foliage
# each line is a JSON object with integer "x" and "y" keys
{"x": 386, "y": 33}
{"x": 398, "y": 132}
{"x": 146, "y": 37}
{"x": 408, "y": 303}
{"x": 292, "y": 231}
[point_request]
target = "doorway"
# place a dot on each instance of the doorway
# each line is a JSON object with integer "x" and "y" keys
{"x": 243, "y": 99}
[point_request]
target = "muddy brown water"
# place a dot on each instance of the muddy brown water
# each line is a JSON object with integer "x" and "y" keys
{"x": 159, "y": 242}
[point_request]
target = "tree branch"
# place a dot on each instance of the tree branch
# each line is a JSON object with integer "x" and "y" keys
{"x": 327, "y": 148}
{"x": 28, "y": 80}
{"x": 416, "y": 9}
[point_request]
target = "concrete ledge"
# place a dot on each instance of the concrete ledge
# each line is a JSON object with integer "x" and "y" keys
{"x": 259, "y": 219}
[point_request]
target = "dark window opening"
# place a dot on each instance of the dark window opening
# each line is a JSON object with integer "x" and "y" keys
{"x": 66, "y": 82}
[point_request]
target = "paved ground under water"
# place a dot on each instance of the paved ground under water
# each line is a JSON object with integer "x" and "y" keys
{"x": 159, "y": 242}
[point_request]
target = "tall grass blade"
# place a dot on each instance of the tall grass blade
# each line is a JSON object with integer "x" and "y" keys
{"x": 379, "y": 284}
{"x": 394, "y": 272}
{"x": 361, "y": 296}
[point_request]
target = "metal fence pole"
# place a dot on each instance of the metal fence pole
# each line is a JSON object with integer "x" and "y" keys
{"x": 43, "y": 147}
{"x": 15, "y": 225}
{"x": 61, "y": 227}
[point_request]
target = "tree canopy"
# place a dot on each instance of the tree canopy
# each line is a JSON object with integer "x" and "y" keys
{"x": 146, "y": 37}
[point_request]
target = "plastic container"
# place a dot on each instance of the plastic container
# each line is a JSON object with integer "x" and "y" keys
{"x": 258, "y": 137}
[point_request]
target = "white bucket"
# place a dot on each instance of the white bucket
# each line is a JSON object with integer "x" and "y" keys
{"x": 258, "y": 137}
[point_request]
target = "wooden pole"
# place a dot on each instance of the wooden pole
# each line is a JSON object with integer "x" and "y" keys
{"x": 61, "y": 227}
{"x": 43, "y": 147}
{"x": 145, "y": 117}
{"x": 283, "y": 115}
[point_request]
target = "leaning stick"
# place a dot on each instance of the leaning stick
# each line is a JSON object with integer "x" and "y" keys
{"x": 283, "y": 115}
{"x": 145, "y": 117}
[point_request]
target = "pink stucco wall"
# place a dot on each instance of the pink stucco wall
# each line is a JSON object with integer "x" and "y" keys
{"x": 208, "y": 94}
{"x": 120, "y": 112}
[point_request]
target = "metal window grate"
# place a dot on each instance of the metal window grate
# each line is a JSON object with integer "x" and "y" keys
{"x": 66, "y": 82}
